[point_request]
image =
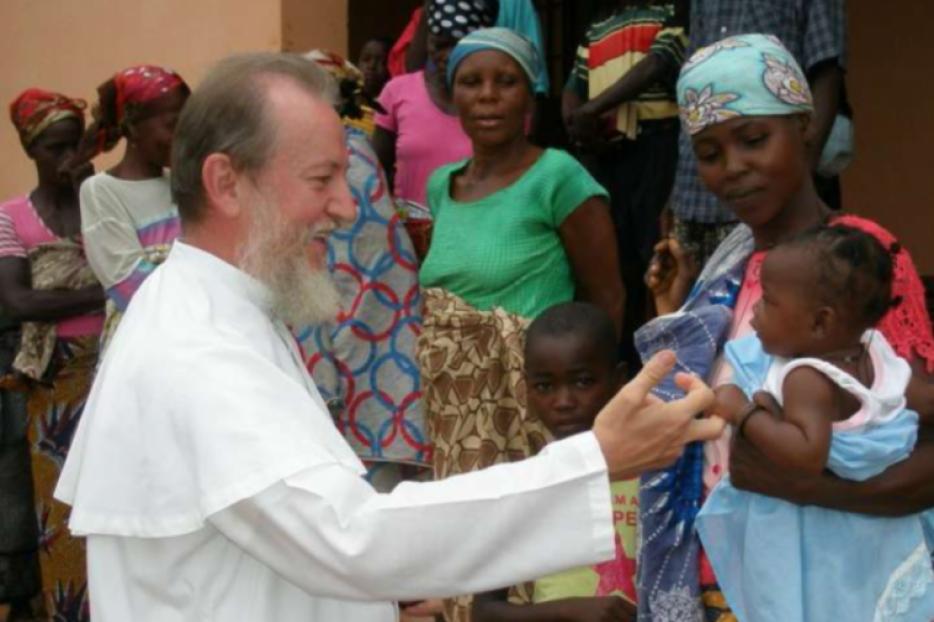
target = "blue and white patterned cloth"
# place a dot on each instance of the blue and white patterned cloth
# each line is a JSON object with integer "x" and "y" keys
{"x": 669, "y": 499}
{"x": 813, "y": 30}
{"x": 779, "y": 562}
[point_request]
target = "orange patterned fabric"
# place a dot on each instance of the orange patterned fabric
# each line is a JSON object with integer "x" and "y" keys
{"x": 471, "y": 364}
{"x": 53, "y": 265}
{"x": 475, "y": 397}
{"x": 54, "y": 410}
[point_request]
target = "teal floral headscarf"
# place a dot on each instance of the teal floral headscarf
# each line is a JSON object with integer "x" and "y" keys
{"x": 746, "y": 75}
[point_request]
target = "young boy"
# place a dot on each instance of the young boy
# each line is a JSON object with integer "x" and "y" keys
{"x": 572, "y": 370}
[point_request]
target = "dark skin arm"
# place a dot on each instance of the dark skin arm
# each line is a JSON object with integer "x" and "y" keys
{"x": 800, "y": 439}
{"x": 584, "y": 122}
{"x": 417, "y": 54}
{"x": 905, "y": 488}
{"x": 570, "y": 103}
{"x": 920, "y": 394}
{"x": 826, "y": 80}
{"x": 384, "y": 144}
{"x": 22, "y": 303}
{"x": 493, "y": 607}
{"x": 590, "y": 243}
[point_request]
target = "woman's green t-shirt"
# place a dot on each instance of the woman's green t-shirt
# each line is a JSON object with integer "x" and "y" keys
{"x": 504, "y": 249}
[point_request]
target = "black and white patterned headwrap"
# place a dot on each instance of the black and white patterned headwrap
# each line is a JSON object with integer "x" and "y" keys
{"x": 458, "y": 18}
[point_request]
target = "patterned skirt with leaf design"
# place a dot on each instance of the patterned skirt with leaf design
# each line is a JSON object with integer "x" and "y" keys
{"x": 471, "y": 364}
{"x": 55, "y": 406}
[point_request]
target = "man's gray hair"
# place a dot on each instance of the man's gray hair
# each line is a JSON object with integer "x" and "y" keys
{"x": 226, "y": 114}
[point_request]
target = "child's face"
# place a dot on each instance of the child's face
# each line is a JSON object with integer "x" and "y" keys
{"x": 785, "y": 317}
{"x": 372, "y": 64}
{"x": 569, "y": 380}
{"x": 755, "y": 165}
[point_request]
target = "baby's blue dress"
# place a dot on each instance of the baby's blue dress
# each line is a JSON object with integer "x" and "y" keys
{"x": 780, "y": 562}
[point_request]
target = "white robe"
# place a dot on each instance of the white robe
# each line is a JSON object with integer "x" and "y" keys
{"x": 212, "y": 484}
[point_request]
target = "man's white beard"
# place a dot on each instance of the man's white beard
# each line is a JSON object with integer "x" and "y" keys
{"x": 275, "y": 255}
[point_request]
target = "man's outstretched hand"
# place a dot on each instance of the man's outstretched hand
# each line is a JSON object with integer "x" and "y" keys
{"x": 638, "y": 432}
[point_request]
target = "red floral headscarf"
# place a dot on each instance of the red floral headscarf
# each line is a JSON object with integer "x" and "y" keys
{"x": 142, "y": 84}
{"x": 120, "y": 102}
{"x": 34, "y": 110}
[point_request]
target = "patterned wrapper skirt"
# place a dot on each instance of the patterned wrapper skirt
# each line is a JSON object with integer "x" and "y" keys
{"x": 475, "y": 398}
{"x": 54, "y": 409}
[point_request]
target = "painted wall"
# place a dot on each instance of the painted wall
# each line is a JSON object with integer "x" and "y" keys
{"x": 891, "y": 179}
{"x": 73, "y": 45}
{"x": 310, "y": 24}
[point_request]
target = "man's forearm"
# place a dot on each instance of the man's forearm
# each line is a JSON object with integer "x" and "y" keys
{"x": 643, "y": 74}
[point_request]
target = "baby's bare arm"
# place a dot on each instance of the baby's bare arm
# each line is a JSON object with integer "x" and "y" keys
{"x": 801, "y": 439}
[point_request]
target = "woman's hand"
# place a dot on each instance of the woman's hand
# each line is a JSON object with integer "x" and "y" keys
{"x": 584, "y": 126}
{"x": 752, "y": 471}
{"x": 671, "y": 274}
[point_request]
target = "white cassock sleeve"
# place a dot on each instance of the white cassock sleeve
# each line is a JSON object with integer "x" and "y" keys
{"x": 329, "y": 532}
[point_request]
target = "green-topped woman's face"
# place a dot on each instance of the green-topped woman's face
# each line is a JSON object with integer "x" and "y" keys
{"x": 493, "y": 97}
{"x": 754, "y": 164}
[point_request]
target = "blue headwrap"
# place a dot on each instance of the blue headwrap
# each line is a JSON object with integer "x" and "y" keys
{"x": 504, "y": 40}
{"x": 746, "y": 75}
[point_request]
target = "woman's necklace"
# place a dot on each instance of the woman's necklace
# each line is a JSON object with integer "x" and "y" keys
{"x": 849, "y": 358}
{"x": 854, "y": 361}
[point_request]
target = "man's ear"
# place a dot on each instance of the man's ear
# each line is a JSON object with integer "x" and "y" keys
{"x": 221, "y": 181}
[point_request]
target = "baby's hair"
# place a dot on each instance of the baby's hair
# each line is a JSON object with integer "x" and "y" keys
{"x": 582, "y": 319}
{"x": 854, "y": 270}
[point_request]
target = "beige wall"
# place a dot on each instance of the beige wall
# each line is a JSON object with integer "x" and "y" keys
{"x": 310, "y": 24}
{"x": 73, "y": 45}
{"x": 891, "y": 179}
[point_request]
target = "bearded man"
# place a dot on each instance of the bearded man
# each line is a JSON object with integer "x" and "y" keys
{"x": 207, "y": 474}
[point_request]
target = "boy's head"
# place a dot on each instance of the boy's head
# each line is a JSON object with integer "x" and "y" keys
{"x": 372, "y": 62}
{"x": 571, "y": 366}
{"x": 821, "y": 290}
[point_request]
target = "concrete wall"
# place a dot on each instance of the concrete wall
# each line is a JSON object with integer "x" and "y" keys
{"x": 310, "y": 24}
{"x": 73, "y": 45}
{"x": 891, "y": 179}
